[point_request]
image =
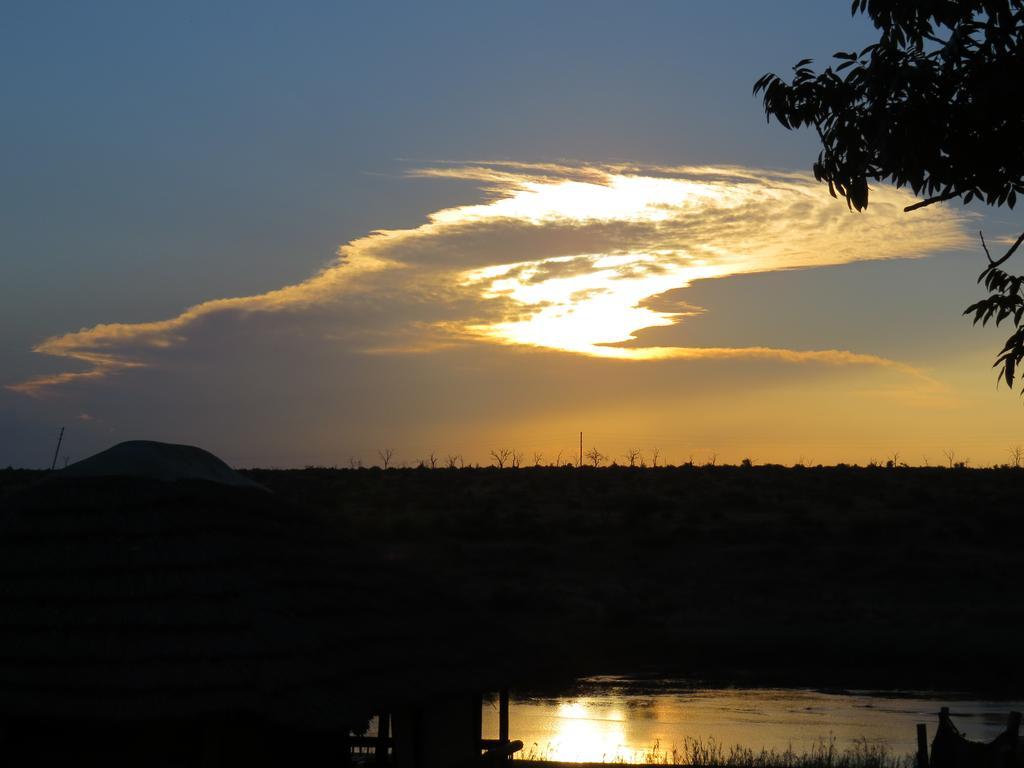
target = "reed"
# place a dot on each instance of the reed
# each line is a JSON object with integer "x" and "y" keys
{"x": 709, "y": 753}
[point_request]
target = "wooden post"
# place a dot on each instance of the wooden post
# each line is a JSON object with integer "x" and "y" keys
{"x": 1012, "y": 742}
{"x": 60, "y": 439}
{"x": 922, "y": 745}
{"x": 328, "y": 754}
{"x": 1013, "y": 724}
{"x": 1013, "y": 727}
{"x": 478, "y": 718}
{"x": 503, "y": 716}
{"x": 383, "y": 730}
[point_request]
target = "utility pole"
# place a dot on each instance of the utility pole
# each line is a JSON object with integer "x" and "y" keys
{"x": 581, "y": 449}
{"x": 59, "y": 439}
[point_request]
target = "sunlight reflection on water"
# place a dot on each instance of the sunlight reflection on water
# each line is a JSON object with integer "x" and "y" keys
{"x": 617, "y": 720}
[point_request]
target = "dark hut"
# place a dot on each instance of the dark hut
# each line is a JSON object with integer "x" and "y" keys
{"x": 158, "y": 461}
{"x": 194, "y": 622}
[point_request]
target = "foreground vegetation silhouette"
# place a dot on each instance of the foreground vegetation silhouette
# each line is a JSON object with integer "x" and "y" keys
{"x": 267, "y": 619}
{"x": 826, "y": 576}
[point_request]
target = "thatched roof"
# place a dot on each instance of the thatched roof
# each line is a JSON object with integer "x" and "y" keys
{"x": 137, "y": 599}
{"x": 157, "y": 461}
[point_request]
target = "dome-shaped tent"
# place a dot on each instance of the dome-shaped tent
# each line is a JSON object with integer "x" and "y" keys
{"x": 158, "y": 461}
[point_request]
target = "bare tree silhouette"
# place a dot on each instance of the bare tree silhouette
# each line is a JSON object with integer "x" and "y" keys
{"x": 1016, "y": 455}
{"x": 655, "y": 453}
{"x": 516, "y": 459}
{"x": 385, "y": 456}
{"x": 501, "y": 455}
{"x": 950, "y": 457}
{"x": 454, "y": 460}
{"x": 633, "y": 456}
{"x": 595, "y": 457}
{"x": 538, "y": 457}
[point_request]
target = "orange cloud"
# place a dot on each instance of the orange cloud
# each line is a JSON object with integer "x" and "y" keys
{"x": 561, "y": 256}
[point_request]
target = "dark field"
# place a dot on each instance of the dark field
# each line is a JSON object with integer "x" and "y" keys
{"x": 844, "y": 577}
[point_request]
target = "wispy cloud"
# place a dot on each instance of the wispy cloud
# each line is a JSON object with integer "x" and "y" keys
{"x": 559, "y": 256}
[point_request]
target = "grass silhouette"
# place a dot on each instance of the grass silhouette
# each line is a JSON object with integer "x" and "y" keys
{"x": 708, "y": 753}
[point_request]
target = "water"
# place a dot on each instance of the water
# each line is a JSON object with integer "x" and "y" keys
{"x": 613, "y": 719}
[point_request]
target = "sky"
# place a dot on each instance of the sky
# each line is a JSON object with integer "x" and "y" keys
{"x": 302, "y": 234}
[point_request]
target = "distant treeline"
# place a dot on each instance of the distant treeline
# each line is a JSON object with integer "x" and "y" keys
{"x": 635, "y": 458}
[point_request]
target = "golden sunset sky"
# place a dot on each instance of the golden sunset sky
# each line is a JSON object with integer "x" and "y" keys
{"x": 347, "y": 229}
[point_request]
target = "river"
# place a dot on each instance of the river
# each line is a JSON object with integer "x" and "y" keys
{"x": 619, "y": 719}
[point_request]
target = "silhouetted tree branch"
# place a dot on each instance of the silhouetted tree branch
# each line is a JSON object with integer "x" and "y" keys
{"x": 1016, "y": 454}
{"x": 931, "y": 106}
{"x": 501, "y": 455}
{"x": 595, "y": 457}
{"x": 931, "y": 201}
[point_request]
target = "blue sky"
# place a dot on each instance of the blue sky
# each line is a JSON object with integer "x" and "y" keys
{"x": 157, "y": 156}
